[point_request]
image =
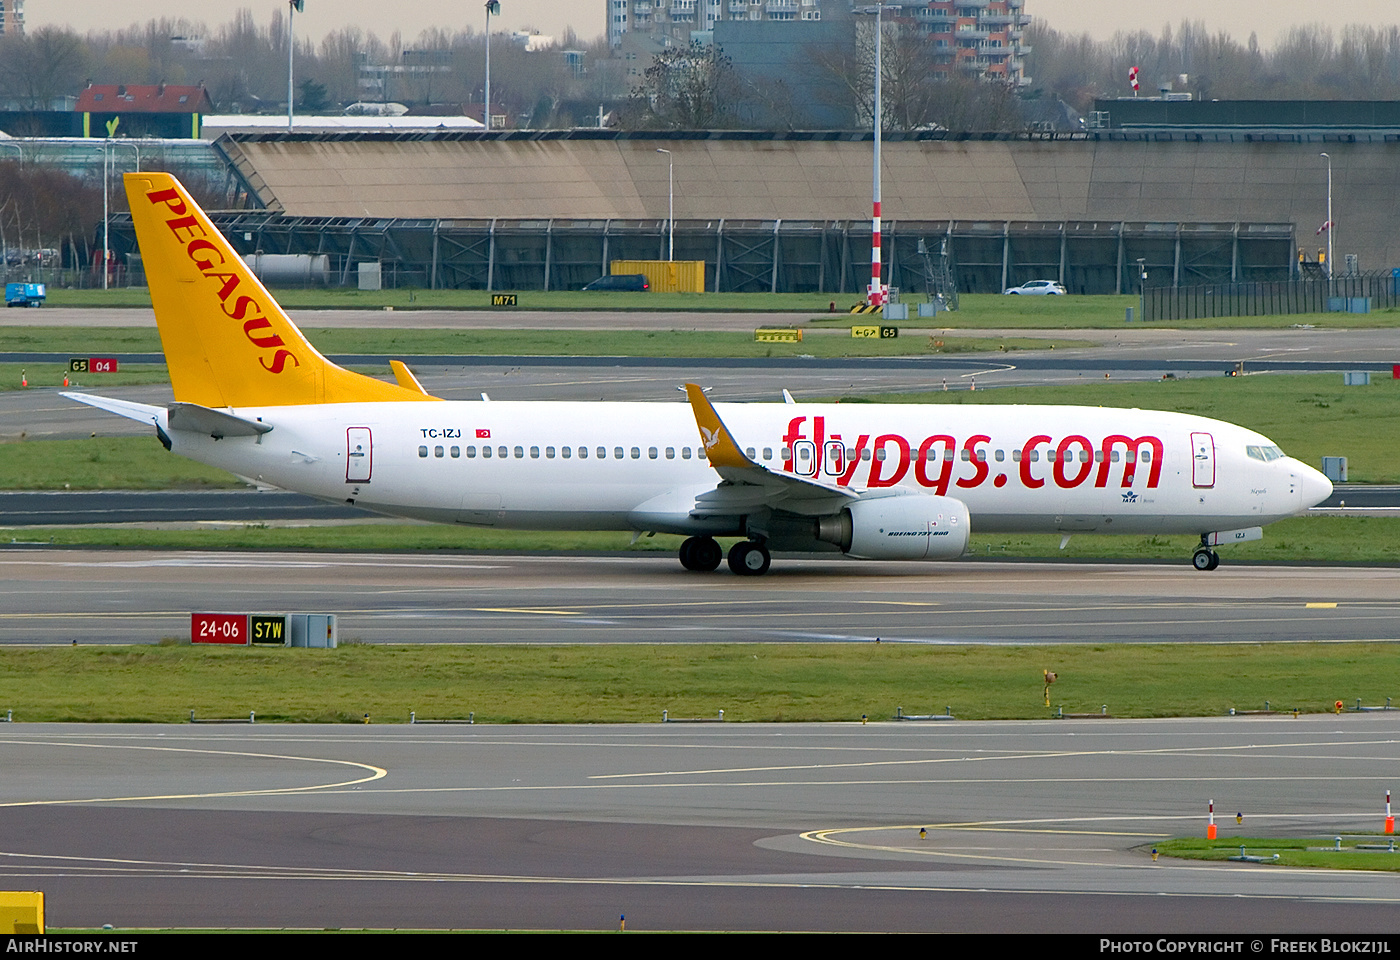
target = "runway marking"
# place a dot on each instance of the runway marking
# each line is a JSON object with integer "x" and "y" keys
{"x": 828, "y": 837}
{"x": 1192, "y": 752}
{"x": 553, "y": 613}
{"x": 116, "y": 614}
{"x": 63, "y": 866}
{"x": 1319, "y": 606}
{"x": 375, "y": 773}
{"x": 905, "y": 782}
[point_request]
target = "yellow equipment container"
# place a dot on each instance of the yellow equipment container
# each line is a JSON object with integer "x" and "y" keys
{"x": 21, "y": 911}
{"x": 666, "y": 276}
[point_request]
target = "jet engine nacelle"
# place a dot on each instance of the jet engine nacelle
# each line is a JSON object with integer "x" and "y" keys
{"x": 914, "y": 527}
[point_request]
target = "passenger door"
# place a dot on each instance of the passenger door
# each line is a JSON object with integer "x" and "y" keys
{"x": 1202, "y": 460}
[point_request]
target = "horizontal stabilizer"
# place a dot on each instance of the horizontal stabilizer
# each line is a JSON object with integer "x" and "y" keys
{"x": 141, "y": 412}
{"x": 192, "y": 418}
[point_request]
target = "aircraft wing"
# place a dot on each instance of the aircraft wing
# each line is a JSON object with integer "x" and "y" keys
{"x": 748, "y": 485}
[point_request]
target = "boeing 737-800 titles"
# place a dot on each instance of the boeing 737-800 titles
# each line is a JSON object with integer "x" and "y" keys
{"x": 898, "y": 482}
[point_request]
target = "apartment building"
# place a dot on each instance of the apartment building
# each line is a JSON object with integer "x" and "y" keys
{"x": 971, "y": 37}
{"x": 679, "y": 20}
{"x": 11, "y": 17}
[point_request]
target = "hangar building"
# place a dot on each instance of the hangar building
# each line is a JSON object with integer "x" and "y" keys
{"x": 775, "y": 211}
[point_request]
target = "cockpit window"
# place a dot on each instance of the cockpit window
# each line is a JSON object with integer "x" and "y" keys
{"x": 1264, "y": 453}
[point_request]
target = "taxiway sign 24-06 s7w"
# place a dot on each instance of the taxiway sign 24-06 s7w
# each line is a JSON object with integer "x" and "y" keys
{"x": 872, "y": 481}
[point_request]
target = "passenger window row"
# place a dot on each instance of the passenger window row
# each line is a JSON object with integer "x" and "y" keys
{"x": 563, "y": 453}
{"x": 803, "y": 454}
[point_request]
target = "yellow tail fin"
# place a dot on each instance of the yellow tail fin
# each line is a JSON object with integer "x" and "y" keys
{"x": 227, "y": 342}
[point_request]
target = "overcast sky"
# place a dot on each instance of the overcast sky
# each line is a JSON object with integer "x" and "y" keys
{"x": 1101, "y": 18}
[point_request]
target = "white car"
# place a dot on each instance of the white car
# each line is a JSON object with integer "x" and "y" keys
{"x": 1037, "y": 288}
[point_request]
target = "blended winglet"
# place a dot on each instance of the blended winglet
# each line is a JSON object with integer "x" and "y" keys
{"x": 227, "y": 342}
{"x": 719, "y": 444}
{"x": 406, "y": 378}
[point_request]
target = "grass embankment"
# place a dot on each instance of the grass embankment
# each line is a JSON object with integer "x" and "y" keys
{"x": 630, "y": 683}
{"x": 1292, "y": 852}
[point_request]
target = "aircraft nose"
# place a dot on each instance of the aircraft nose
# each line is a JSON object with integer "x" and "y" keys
{"x": 1313, "y": 487}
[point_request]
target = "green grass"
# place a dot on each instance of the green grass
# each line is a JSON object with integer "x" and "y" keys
{"x": 98, "y": 341}
{"x": 51, "y": 375}
{"x": 629, "y": 683}
{"x": 405, "y": 299}
{"x": 1292, "y": 851}
{"x": 1360, "y": 540}
{"x": 103, "y": 463}
{"x": 978, "y": 310}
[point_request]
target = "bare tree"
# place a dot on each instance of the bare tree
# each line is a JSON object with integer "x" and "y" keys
{"x": 39, "y": 66}
{"x": 685, "y": 88}
{"x": 916, "y": 92}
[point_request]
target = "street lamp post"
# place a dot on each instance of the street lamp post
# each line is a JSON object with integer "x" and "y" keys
{"x": 670, "y": 203}
{"x": 133, "y": 147}
{"x": 293, "y": 7}
{"x": 106, "y": 235}
{"x": 493, "y": 8}
{"x": 1142, "y": 289}
{"x": 1329, "y": 225}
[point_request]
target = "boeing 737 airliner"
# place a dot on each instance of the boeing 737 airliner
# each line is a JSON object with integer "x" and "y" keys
{"x": 871, "y": 481}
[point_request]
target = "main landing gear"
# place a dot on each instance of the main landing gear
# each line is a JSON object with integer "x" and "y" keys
{"x": 748, "y": 558}
{"x": 701, "y": 553}
{"x": 1205, "y": 558}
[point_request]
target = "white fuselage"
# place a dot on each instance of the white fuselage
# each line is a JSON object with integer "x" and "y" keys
{"x": 640, "y": 466}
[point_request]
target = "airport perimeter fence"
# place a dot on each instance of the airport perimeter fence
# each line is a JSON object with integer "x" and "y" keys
{"x": 1269, "y": 298}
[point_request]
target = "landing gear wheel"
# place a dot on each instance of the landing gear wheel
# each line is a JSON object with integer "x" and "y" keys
{"x": 701, "y": 553}
{"x": 749, "y": 559}
{"x": 1205, "y": 559}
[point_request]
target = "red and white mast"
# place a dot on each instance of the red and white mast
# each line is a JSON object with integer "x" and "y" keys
{"x": 877, "y": 293}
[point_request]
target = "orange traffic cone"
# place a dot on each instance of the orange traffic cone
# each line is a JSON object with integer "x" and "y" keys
{"x": 65, "y": 379}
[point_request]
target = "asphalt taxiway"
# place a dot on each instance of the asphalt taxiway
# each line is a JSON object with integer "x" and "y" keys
{"x": 1033, "y": 827}
{"x": 60, "y": 596}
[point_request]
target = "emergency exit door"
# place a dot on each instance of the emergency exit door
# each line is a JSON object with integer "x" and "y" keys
{"x": 359, "y": 455}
